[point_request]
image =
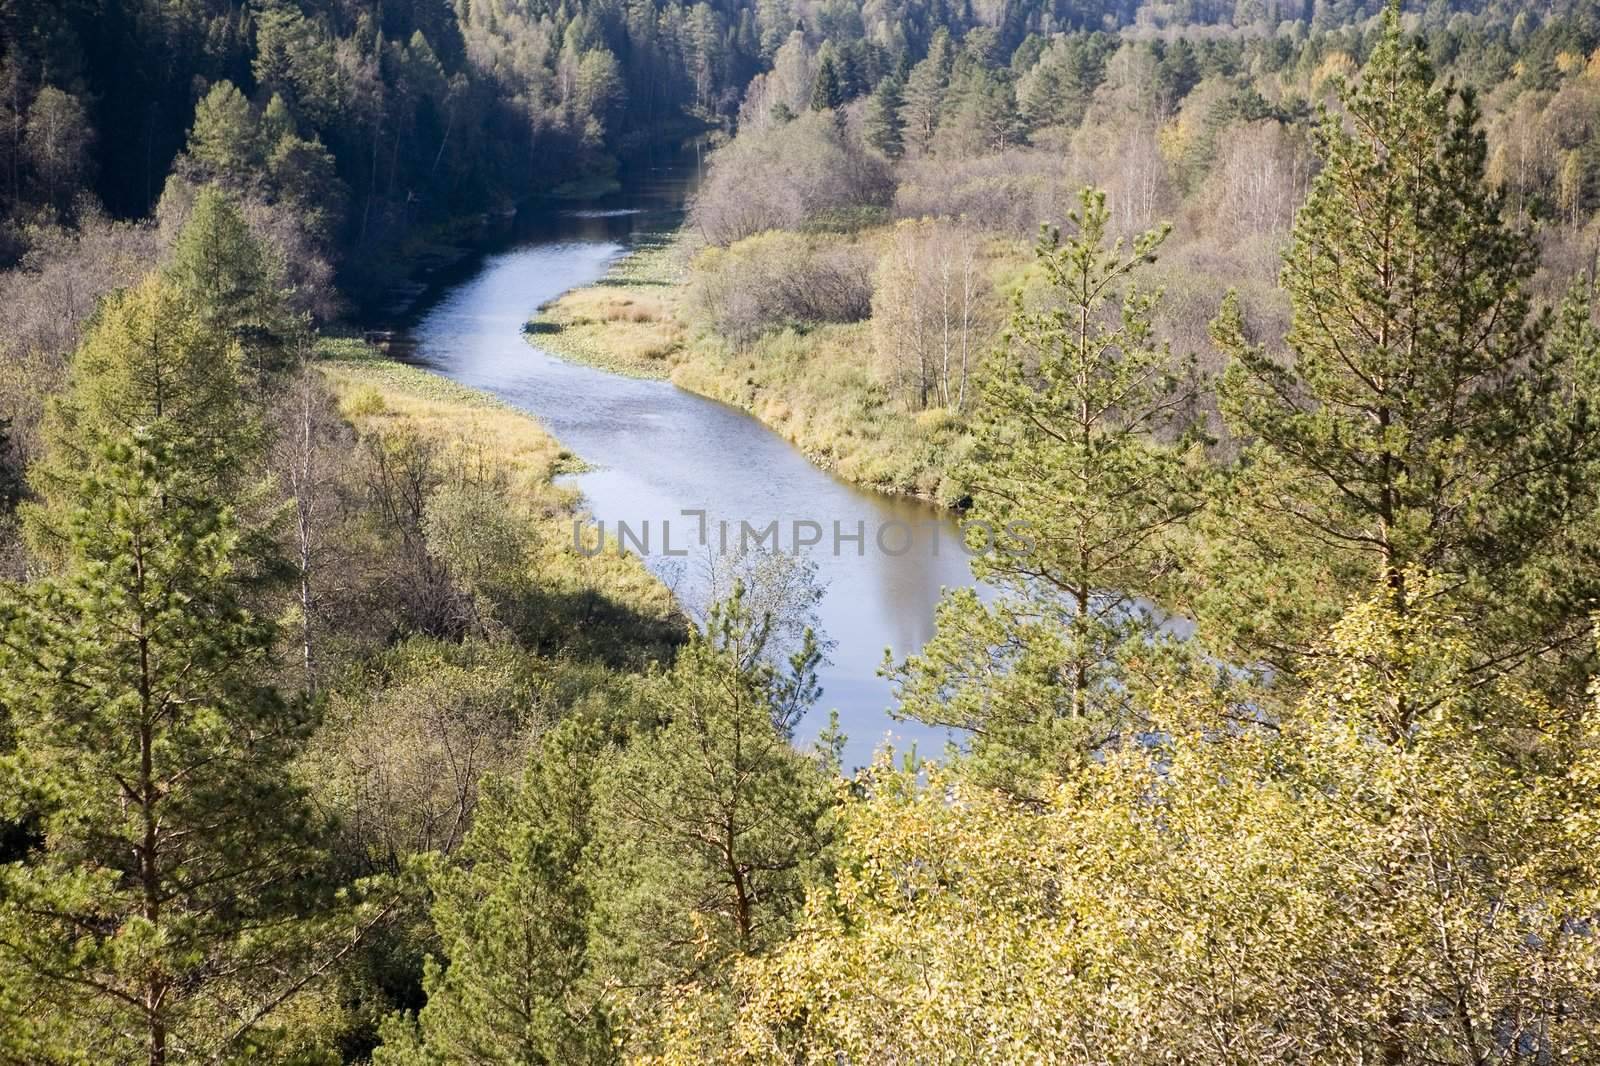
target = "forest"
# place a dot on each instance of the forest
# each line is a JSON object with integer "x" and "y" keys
{"x": 1272, "y": 323}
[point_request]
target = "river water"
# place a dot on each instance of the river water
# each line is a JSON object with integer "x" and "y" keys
{"x": 656, "y": 451}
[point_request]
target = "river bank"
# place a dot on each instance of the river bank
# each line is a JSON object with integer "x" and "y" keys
{"x": 388, "y": 285}
{"x": 816, "y": 389}
{"x": 653, "y": 454}
{"x": 608, "y": 600}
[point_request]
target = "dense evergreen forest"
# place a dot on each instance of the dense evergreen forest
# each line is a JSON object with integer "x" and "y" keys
{"x": 320, "y": 742}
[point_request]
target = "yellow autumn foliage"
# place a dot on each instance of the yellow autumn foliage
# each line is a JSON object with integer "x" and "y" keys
{"x": 1336, "y": 65}
{"x": 1403, "y": 869}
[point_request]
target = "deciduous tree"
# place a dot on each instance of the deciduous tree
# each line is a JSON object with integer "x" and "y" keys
{"x": 57, "y": 145}
{"x": 1220, "y": 894}
{"x": 933, "y": 312}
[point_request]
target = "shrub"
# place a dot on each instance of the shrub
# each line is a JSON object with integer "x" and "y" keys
{"x": 785, "y": 175}
{"x": 779, "y": 280}
{"x": 1011, "y": 192}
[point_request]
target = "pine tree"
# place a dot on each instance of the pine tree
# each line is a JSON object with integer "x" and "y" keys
{"x": 1427, "y": 419}
{"x": 234, "y": 279}
{"x": 827, "y": 92}
{"x": 1056, "y": 90}
{"x": 169, "y": 909}
{"x": 1216, "y": 895}
{"x": 708, "y": 825}
{"x": 1084, "y": 503}
{"x": 883, "y": 127}
{"x": 514, "y": 985}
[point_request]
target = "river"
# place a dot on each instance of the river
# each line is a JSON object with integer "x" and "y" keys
{"x": 656, "y": 451}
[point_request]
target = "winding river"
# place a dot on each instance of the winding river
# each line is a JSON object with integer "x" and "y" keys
{"x": 655, "y": 451}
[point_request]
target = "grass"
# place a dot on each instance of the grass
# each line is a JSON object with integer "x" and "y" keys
{"x": 630, "y": 321}
{"x": 378, "y": 395}
{"x": 816, "y": 388}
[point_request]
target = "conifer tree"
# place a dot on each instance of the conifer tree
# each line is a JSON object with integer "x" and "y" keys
{"x": 827, "y": 92}
{"x": 884, "y": 129}
{"x": 234, "y": 279}
{"x": 170, "y": 907}
{"x": 1217, "y": 895}
{"x": 225, "y": 138}
{"x": 277, "y": 122}
{"x": 1067, "y": 472}
{"x": 707, "y": 826}
{"x": 925, "y": 90}
{"x": 515, "y": 984}
{"x": 153, "y": 364}
{"x": 1427, "y": 418}
{"x": 980, "y": 115}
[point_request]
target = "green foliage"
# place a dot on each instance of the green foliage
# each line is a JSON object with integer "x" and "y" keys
{"x": 1056, "y": 90}
{"x": 925, "y": 90}
{"x": 234, "y": 279}
{"x": 470, "y": 525}
{"x": 1423, "y": 420}
{"x": 827, "y": 94}
{"x": 295, "y": 62}
{"x": 708, "y": 826}
{"x": 225, "y": 138}
{"x": 1068, "y": 472}
{"x": 883, "y": 128}
{"x": 1230, "y": 894}
{"x": 302, "y": 172}
{"x": 601, "y": 91}
{"x": 1387, "y": 855}
{"x": 512, "y": 917}
{"x": 172, "y": 903}
{"x": 979, "y": 115}
{"x": 153, "y": 364}
{"x": 406, "y": 742}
